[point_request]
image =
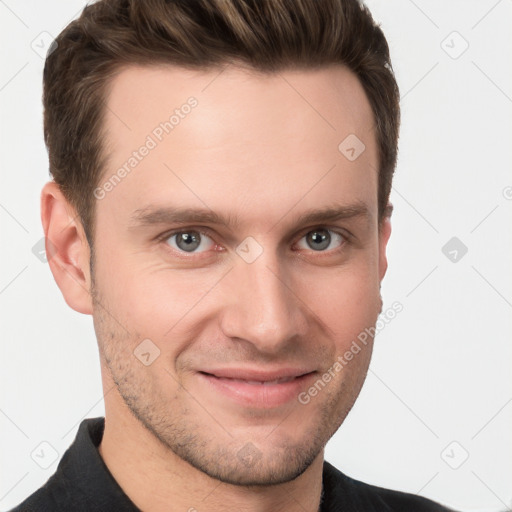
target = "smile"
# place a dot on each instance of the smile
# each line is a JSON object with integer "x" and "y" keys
{"x": 257, "y": 389}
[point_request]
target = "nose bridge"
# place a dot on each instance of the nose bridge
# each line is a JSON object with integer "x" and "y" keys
{"x": 263, "y": 309}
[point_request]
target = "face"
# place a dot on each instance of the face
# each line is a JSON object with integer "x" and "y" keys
{"x": 237, "y": 258}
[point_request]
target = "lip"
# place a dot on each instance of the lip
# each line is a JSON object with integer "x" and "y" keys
{"x": 258, "y": 388}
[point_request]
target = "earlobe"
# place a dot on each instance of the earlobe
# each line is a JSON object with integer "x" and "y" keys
{"x": 384, "y": 234}
{"x": 67, "y": 248}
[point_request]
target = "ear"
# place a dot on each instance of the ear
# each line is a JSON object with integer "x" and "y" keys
{"x": 67, "y": 248}
{"x": 384, "y": 234}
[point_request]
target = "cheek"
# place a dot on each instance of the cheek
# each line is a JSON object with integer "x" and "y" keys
{"x": 346, "y": 300}
{"x": 157, "y": 302}
{"x": 154, "y": 301}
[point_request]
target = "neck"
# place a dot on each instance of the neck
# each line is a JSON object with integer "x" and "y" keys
{"x": 154, "y": 477}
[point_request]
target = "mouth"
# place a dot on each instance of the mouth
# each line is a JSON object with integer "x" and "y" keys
{"x": 257, "y": 388}
{"x": 258, "y": 382}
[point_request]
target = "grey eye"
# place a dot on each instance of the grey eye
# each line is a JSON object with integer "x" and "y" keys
{"x": 189, "y": 241}
{"x": 320, "y": 239}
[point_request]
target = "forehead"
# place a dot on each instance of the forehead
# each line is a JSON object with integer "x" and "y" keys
{"x": 230, "y": 133}
{"x": 330, "y": 98}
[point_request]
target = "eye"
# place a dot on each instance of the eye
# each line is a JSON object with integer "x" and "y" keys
{"x": 189, "y": 241}
{"x": 321, "y": 239}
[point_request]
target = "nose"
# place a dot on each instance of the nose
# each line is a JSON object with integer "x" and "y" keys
{"x": 262, "y": 306}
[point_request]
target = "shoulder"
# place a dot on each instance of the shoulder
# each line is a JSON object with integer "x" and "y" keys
{"x": 344, "y": 493}
{"x": 64, "y": 490}
{"x": 58, "y": 494}
{"x": 42, "y": 500}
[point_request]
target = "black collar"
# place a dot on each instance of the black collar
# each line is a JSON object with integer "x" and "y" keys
{"x": 83, "y": 482}
{"x": 83, "y": 466}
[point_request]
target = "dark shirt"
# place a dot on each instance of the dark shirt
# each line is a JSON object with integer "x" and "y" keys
{"x": 83, "y": 483}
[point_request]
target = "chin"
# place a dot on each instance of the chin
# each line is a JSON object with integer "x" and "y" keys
{"x": 257, "y": 470}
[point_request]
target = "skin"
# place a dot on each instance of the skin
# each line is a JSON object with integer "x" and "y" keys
{"x": 261, "y": 151}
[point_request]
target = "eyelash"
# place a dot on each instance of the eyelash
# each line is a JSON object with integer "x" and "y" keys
{"x": 202, "y": 231}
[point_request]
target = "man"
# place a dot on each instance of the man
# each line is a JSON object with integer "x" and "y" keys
{"x": 219, "y": 205}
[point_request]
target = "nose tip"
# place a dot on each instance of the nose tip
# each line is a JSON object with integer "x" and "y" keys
{"x": 263, "y": 308}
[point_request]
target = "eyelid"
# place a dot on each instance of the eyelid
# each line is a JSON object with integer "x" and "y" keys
{"x": 334, "y": 229}
{"x": 201, "y": 230}
{"x": 205, "y": 231}
{"x": 338, "y": 231}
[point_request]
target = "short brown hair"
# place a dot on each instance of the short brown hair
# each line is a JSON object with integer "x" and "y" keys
{"x": 268, "y": 35}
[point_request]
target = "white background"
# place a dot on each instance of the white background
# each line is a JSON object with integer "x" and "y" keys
{"x": 441, "y": 369}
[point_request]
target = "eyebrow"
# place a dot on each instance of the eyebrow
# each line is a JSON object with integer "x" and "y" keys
{"x": 152, "y": 215}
